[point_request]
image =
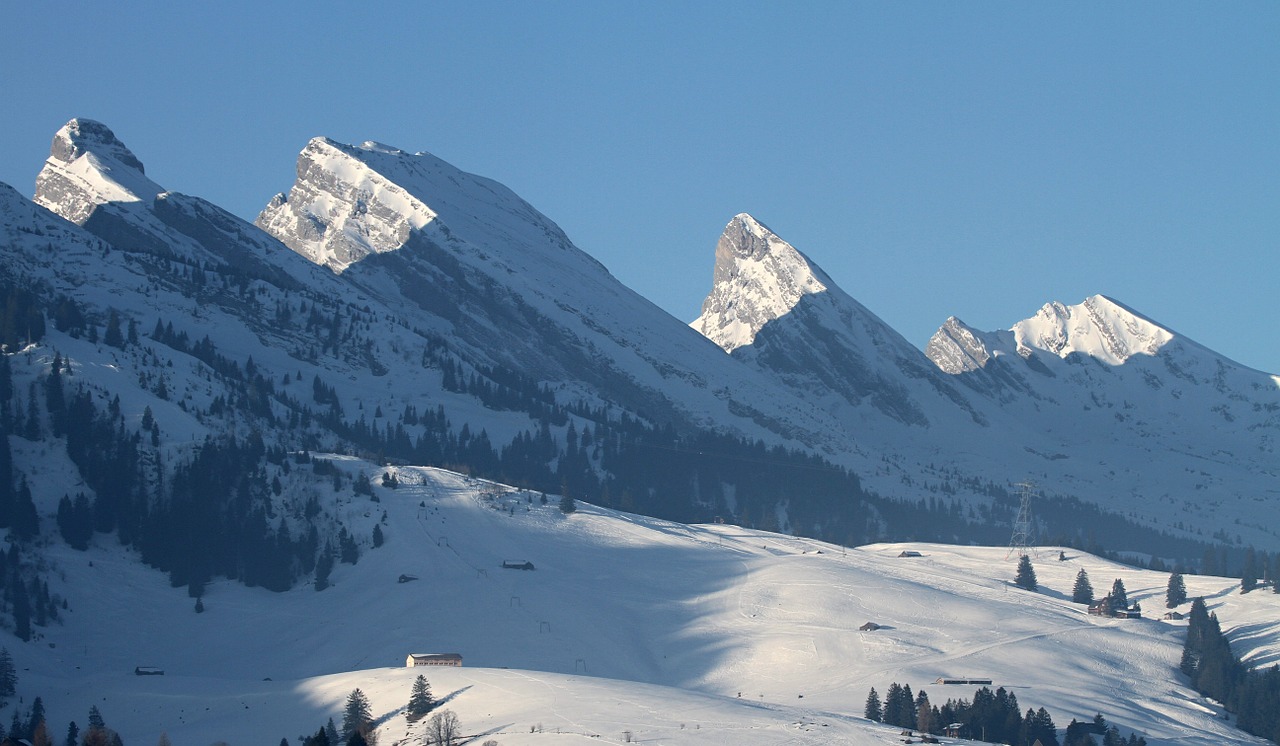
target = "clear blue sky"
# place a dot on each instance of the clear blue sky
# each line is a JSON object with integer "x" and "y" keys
{"x": 937, "y": 159}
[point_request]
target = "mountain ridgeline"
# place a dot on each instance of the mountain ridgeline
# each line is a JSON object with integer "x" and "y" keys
{"x": 175, "y": 366}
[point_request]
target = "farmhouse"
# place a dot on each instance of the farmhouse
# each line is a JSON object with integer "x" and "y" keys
{"x": 433, "y": 659}
{"x": 1106, "y": 608}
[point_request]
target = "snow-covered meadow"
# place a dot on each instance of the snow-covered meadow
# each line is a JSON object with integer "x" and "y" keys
{"x": 672, "y": 633}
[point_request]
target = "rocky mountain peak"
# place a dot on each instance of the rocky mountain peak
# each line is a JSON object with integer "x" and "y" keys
{"x": 87, "y": 167}
{"x": 80, "y": 136}
{"x": 340, "y": 209}
{"x": 957, "y": 348}
{"x": 1099, "y": 327}
{"x": 758, "y": 277}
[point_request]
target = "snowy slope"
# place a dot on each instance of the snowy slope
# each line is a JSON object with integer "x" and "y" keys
{"x": 1094, "y": 402}
{"x": 686, "y": 634}
{"x": 416, "y": 232}
{"x": 1113, "y": 392}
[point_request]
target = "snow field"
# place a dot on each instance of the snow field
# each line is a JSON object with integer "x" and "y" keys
{"x": 628, "y": 623}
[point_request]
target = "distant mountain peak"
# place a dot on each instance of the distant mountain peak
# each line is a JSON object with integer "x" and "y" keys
{"x": 1100, "y": 327}
{"x": 88, "y": 166}
{"x": 80, "y": 136}
{"x": 957, "y": 347}
{"x": 758, "y": 277}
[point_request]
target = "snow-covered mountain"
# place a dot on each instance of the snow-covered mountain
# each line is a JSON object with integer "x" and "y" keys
{"x": 502, "y": 279}
{"x": 1178, "y": 425}
{"x": 400, "y": 284}
{"x": 169, "y": 367}
{"x": 773, "y": 308}
{"x": 1095, "y": 401}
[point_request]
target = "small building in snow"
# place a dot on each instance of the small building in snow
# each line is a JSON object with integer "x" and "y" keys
{"x": 433, "y": 659}
{"x": 148, "y": 671}
{"x": 910, "y": 553}
{"x": 869, "y": 627}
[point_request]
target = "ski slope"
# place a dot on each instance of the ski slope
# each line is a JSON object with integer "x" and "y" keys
{"x": 679, "y": 634}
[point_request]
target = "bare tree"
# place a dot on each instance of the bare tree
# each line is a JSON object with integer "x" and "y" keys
{"x": 443, "y": 728}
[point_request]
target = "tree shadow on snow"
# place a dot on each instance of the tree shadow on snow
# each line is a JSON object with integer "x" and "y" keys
{"x": 446, "y": 699}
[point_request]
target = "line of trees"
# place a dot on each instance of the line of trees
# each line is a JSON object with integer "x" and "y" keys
{"x": 993, "y": 717}
{"x": 1215, "y": 671}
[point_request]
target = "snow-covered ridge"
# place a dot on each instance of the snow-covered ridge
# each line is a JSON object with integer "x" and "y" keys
{"x": 1099, "y": 327}
{"x": 758, "y": 277}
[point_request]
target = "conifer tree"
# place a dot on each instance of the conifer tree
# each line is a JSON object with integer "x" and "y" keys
{"x": 8, "y": 674}
{"x": 324, "y": 566}
{"x": 1119, "y": 597}
{"x": 21, "y": 612}
{"x": 73, "y": 735}
{"x": 6, "y": 479}
{"x": 26, "y": 521}
{"x": 113, "y": 337}
{"x": 872, "y": 710}
{"x": 893, "y": 704}
{"x": 1249, "y": 576}
{"x": 358, "y": 716}
{"x": 924, "y": 713}
{"x": 36, "y": 718}
{"x": 1026, "y": 577}
{"x": 1082, "y": 593}
{"x": 1176, "y": 593}
{"x": 420, "y": 701}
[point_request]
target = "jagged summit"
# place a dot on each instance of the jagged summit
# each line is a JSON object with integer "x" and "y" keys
{"x": 88, "y": 167}
{"x": 1099, "y": 327}
{"x": 957, "y": 347}
{"x": 352, "y": 201}
{"x": 758, "y": 277}
{"x": 772, "y": 307}
{"x": 340, "y": 210}
{"x": 80, "y": 136}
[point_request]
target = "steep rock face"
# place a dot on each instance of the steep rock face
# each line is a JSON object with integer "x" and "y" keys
{"x": 89, "y": 168}
{"x": 977, "y": 360}
{"x": 770, "y": 305}
{"x": 758, "y": 278}
{"x": 338, "y": 212}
